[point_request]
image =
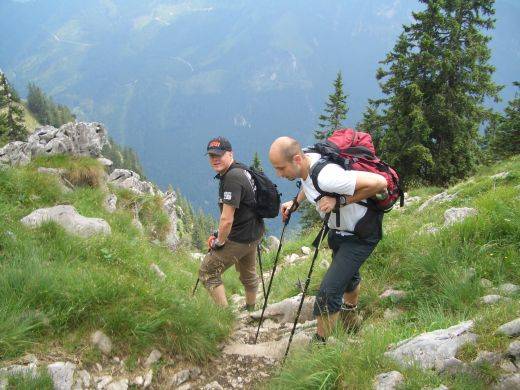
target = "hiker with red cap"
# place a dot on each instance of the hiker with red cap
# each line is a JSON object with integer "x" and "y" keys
{"x": 240, "y": 228}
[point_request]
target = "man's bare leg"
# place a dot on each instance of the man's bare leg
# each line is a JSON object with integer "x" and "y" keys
{"x": 251, "y": 297}
{"x": 219, "y": 295}
{"x": 352, "y": 298}
{"x": 326, "y": 324}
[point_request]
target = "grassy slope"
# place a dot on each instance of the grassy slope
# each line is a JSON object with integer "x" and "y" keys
{"x": 56, "y": 289}
{"x": 433, "y": 269}
{"x": 30, "y": 121}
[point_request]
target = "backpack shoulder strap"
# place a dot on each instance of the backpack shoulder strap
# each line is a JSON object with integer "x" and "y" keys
{"x": 314, "y": 172}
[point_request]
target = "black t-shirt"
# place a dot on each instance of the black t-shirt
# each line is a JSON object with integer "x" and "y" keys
{"x": 236, "y": 189}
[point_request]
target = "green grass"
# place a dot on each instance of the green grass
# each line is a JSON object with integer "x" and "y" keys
{"x": 28, "y": 382}
{"x": 56, "y": 289}
{"x": 433, "y": 269}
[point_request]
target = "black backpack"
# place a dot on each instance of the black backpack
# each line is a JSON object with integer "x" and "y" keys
{"x": 267, "y": 197}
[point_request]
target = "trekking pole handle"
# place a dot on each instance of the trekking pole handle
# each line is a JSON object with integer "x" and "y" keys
{"x": 292, "y": 209}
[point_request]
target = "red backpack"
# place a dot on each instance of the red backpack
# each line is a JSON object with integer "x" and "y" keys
{"x": 354, "y": 150}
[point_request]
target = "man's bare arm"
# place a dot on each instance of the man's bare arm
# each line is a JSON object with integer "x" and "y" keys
{"x": 226, "y": 222}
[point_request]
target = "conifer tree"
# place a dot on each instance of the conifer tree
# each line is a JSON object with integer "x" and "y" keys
{"x": 505, "y": 139}
{"x": 12, "y": 126}
{"x": 372, "y": 123}
{"x": 335, "y": 111}
{"x": 435, "y": 81}
{"x": 257, "y": 164}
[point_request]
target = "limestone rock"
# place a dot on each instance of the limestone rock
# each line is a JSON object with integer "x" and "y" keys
{"x": 508, "y": 288}
{"x": 458, "y": 214}
{"x": 127, "y": 179}
{"x": 101, "y": 382}
{"x": 442, "y": 197}
{"x": 501, "y": 175}
{"x": 268, "y": 349}
{"x": 514, "y": 350}
{"x": 110, "y": 203}
{"x": 511, "y": 329}
{"x": 105, "y": 161}
{"x": 324, "y": 264}
{"x": 430, "y": 347}
{"x": 486, "y": 283}
{"x": 292, "y": 258}
{"x": 487, "y": 357}
{"x": 67, "y": 217}
{"x": 451, "y": 366}
{"x": 388, "y": 380}
{"x": 508, "y": 382}
{"x": 306, "y": 250}
{"x": 30, "y": 369}
{"x": 170, "y": 207}
{"x": 15, "y": 153}
{"x": 393, "y": 294}
{"x": 148, "y": 379}
{"x": 213, "y": 386}
{"x": 121, "y": 384}
{"x": 508, "y": 366}
{"x": 179, "y": 378}
{"x": 155, "y": 268}
{"x": 154, "y": 357}
{"x": 490, "y": 299}
{"x": 285, "y": 311}
{"x": 83, "y": 379}
{"x": 102, "y": 342}
{"x": 62, "y": 375}
{"x": 272, "y": 243}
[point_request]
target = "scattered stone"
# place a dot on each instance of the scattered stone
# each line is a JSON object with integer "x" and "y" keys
{"x": 148, "y": 379}
{"x": 67, "y": 217}
{"x": 388, "y": 380}
{"x": 490, "y": 299}
{"x": 292, "y": 258}
{"x": 392, "y": 314}
{"x": 102, "y": 382}
{"x": 508, "y": 382}
{"x": 170, "y": 207}
{"x": 119, "y": 385}
{"x": 285, "y": 311}
{"x": 110, "y": 203}
{"x": 197, "y": 256}
{"x": 514, "y": 350}
{"x": 431, "y": 229}
{"x": 186, "y": 386}
{"x": 508, "y": 366}
{"x": 442, "y": 197}
{"x": 127, "y": 179}
{"x": 458, "y": 214}
{"x": 324, "y": 264}
{"x": 102, "y": 342}
{"x": 486, "y": 283}
{"x": 154, "y": 357}
{"x": 195, "y": 373}
{"x": 155, "y": 268}
{"x": 62, "y": 375}
{"x": 83, "y": 378}
{"x": 138, "y": 381}
{"x": 508, "y": 288}
{"x": 511, "y": 329}
{"x": 501, "y": 175}
{"x": 213, "y": 386}
{"x": 451, "y": 366}
{"x": 430, "y": 347}
{"x": 105, "y": 161}
{"x": 306, "y": 250}
{"x": 393, "y": 294}
{"x": 491, "y": 358}
{"x": 179, "y": 378}
{"x": 29, "y": 370}
{"x": 272, "y": 243}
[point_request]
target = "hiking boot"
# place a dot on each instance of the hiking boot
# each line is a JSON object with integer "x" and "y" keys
{"x": 350, "y": 318}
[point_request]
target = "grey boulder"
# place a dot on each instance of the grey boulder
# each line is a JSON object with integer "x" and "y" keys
{"x": 67, "y": 217}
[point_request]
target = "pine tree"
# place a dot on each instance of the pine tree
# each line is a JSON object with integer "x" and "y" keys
{"x": 335, "y": 111}
{"x": 372, "y": 123}
{"x": 435, "y": 81}
{"x": 505, "y": 139}
{"x": 12, "y": 126}
{"x": 45, "y": 110}
{"x": 257, "y": 164}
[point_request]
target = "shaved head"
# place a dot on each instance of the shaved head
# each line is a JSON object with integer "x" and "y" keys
{"x": 287, "y": 158}
{"x": 286, "y": 148}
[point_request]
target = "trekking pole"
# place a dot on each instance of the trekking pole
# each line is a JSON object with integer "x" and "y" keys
{"x": 286, "y": 222}
{"x": 215, "y": 234}
{"x": 317, "y": 243}
{"x": 259, "y": 250}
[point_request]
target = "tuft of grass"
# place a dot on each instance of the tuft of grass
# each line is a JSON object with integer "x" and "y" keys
{"x": 79, "y": 171}
{"x": 29, "y": 382}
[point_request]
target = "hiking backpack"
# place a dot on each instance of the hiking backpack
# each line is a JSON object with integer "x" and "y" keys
{"x": 267, "y": 197}
{"x": 354, "y": 150}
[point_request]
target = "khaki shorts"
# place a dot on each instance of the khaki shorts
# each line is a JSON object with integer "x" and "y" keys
{"x": 243, "y": 256}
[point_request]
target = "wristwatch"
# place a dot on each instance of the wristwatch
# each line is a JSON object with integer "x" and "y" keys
{"x": 217, "y": 244}
{"x": 343, "y": 201}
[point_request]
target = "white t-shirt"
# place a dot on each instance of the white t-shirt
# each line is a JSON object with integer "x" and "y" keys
{"x": 335, "y": 179}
